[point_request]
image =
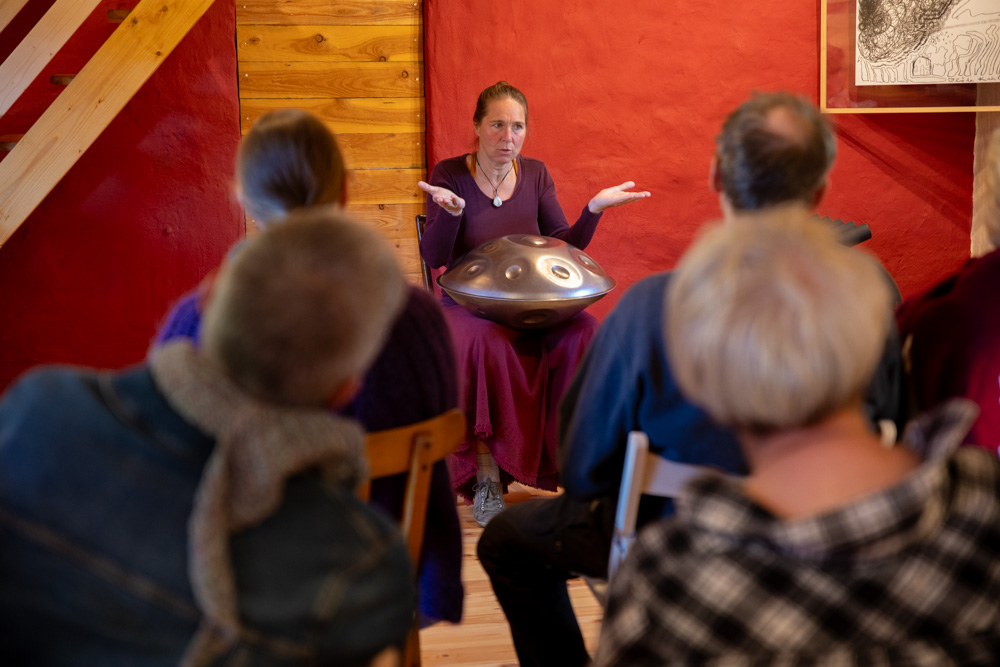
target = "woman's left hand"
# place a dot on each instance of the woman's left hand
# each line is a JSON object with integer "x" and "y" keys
{"x": 616, "y": 196}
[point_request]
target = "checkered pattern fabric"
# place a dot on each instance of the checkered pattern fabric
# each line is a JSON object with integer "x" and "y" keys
{"x": 908, "y": 576}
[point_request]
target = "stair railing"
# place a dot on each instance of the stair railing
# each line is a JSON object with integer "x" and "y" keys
{"x": 92, "y": 99}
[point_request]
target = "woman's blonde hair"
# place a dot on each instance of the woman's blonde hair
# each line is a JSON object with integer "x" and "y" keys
{"x": 288, "y": 160}
{"x": 772, "y": 324}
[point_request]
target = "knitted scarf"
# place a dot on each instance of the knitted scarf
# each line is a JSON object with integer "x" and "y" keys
{"x": 258, "y": 447}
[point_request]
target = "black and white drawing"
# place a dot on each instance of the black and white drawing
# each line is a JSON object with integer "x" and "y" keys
{"x": 927, "y": 41}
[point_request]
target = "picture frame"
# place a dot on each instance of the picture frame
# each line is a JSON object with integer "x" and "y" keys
{"x": 838, "y": 93}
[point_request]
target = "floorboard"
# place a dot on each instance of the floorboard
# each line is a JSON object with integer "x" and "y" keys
{"x": 482, "y": 639}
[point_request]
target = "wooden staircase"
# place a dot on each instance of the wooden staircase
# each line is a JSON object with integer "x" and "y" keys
{"x": 91, "y": 100}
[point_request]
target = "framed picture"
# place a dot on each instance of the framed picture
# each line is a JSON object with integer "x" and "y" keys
{"x": 875, "y": 57}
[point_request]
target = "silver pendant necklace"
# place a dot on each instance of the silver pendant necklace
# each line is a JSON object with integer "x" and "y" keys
{"x": 497, "y": 202}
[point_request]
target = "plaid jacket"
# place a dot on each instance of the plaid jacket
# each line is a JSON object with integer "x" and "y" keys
{"x": 909, "y": 576}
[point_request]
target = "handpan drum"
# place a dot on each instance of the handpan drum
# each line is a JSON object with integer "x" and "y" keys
{"x": 524, "y": 281}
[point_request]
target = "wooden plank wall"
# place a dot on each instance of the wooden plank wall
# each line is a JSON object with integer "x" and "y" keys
{"x": 358, "y": 65}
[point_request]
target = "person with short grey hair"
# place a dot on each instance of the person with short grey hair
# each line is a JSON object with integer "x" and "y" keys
{"x": 314, "y": 332}
{"x": 200, "y": 507}
{"x": 774, "y": 325}
{"x": 950, "y": 330}
{"x": 836, "y": 549}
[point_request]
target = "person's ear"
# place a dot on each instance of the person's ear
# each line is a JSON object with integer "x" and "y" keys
{"x": 820, "y": 193}
{"x": 206, "y": 288}
{"x": 389, "y": 657}
{"x": 343, "y": 193}
{"x": 714, "y": 178}
{"x": 345, "y": 393}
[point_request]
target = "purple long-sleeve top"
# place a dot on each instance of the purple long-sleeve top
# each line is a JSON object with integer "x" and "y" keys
{"x": 531, "y": 209}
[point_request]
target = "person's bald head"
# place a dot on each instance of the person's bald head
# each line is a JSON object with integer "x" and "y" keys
{"x": 774, "y": 149}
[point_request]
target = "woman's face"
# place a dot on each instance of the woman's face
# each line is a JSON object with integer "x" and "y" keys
{"x": 501, "y": 131}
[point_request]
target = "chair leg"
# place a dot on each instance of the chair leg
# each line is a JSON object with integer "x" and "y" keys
{"x": 412, "y": 656}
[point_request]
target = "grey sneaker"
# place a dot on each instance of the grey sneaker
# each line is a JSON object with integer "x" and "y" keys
{"x": 488, "y": 501}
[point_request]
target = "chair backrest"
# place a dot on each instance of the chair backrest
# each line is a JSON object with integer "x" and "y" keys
{"x": 648, "y": 473}
{"x": 645, "y": 473}
{"x": 428, "y": 279}
{"x": 414, "y": 450}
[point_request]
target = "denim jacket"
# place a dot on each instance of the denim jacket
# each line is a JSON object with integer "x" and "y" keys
{"x": 97, "y": 479}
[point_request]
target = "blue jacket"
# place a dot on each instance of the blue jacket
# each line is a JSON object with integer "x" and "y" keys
{"x": 623, "y": 384}
{"x": 97, "y": 477}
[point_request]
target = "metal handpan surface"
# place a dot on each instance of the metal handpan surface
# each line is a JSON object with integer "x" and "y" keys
{"x": 524, "y": 281}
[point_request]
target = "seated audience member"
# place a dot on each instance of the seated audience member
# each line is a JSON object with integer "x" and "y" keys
{"x": 951, "y": 334}
{"x": 774, "y": 153}
{"x": 200, "y": 507}
{"x": 290, "y": 160}
{"x": 835, "y": 549}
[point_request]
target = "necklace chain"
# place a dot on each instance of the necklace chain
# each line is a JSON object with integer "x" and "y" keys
{"x": 496, "y": 198}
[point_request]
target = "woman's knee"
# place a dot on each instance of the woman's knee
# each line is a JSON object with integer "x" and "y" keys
{"x": 467, "y": 328}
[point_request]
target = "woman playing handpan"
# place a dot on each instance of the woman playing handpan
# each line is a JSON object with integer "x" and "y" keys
{"x": 511, "y": 380}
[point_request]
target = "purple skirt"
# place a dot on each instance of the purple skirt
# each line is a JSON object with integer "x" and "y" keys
{"x": 510, "y": 385}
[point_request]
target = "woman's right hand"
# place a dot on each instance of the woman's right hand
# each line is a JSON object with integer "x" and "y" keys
{"x": 444, "y": 198}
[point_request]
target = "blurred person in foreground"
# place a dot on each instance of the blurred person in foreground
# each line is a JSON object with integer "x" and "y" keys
{"x": 950, "y": 332}
{"x": 290, "y": 160}
{"x": 199, "y": 508}
{"x": 836, "y": 549}
{"x": 774, "y": 152}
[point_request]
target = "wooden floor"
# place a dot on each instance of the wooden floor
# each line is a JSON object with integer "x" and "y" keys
{"x": 483, "y": 636}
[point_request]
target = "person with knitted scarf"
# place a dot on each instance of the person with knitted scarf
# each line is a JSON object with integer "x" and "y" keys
{"x": 199, "y": 508}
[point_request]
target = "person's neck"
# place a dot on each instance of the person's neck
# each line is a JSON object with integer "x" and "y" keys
{"x": 493, "y": 171}
{"x": 791, "y": 209}
{"x": 813, "y": 470}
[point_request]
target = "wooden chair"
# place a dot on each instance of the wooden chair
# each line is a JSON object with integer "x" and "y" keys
{"x": 645, "y": 473}
{"x": 413, "y": 450}
{"x": 428, "y": 279}
{"x": 648, "y": 473}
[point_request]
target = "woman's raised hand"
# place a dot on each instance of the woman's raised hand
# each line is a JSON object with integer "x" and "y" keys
{"x": 444, "y": 198}
{"x": 616, "y": 196}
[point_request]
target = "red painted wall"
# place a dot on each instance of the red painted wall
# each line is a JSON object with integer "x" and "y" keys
{"x": 140, "y": 218}
{"x": 617, "y": 91}
{"x": 637, "y": 91}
